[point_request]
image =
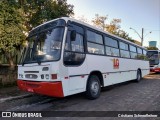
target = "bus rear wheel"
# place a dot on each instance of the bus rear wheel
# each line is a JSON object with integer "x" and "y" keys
{"x": 139, "y": 76}
{"x": 93, "y": 87}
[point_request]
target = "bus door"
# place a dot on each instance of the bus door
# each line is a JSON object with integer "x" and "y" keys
{"x": 74, "y": 57}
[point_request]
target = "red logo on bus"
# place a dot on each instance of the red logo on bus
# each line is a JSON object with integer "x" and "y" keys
{"x": 115, "y": 63}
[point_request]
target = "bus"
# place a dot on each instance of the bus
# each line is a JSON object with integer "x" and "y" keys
{"x": 64, "y": 56}
{"x": 154, "y": 60}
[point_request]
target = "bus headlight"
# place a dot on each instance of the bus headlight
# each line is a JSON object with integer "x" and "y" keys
{"x": 20, "y": 75}
{"x": 47, "y": 76}
{"x": 157, "y": 66}
{"x": 42, "y": 76}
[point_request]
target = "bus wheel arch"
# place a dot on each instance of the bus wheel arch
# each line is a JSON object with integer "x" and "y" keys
{"x": 99, "y": 75}
{"x": 93, "y": 86}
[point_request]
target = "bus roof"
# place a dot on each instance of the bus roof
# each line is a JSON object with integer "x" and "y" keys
{"x": 90, "y": 26}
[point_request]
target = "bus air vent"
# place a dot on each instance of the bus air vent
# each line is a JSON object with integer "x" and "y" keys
{"x": 31, "y": 71}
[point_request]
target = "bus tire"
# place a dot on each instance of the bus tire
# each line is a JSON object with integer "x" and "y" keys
{"x": 139, "y": 76}
{"x": 93, "y": 87}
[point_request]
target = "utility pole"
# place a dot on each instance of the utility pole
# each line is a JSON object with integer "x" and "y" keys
{"x": 141, "y": 36}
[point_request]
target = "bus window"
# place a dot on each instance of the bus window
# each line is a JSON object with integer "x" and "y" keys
{"x": 139, "y": 50}
{"x": 77, "y": 45}
{"x": 74, "y": 50}
{"x": 94, "y": 37}
{"x": 140, "y": 55}
{"x": 95, "y": 48}
{"x": 111, "y": 42}
{"x": 124, "y": 50}
{"x": 112, "y": 51}
{"x": 123, "y": 46}
{"x": 95, "y": 43}
{"x": 125, "y": 54}
{"x": 144, "y": 52}
{"x": 133, "y": 51}
{"x": 132, "y": 48}
{"x": 111, "y": 46}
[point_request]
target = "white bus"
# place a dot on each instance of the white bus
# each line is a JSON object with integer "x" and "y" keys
{"x": 65, "y": 56}
{"x": 154, "y": 60}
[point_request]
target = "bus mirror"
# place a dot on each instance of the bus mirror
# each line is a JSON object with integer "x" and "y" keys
{"x": 73, "y": 35}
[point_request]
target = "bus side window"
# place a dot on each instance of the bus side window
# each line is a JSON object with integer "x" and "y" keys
{"x": 95, "y": 43}
{"x": 133, "y": 51}
{"x": 111, "y": 46}
{"x": 74, "y": 50}
{"x": 124, "y": 50}
{"x": 140, "y": 55}
{"x": 145, "y": 54}
{"x": 77, "y": 45}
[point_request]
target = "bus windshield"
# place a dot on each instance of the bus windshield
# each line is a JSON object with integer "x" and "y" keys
{"x": 43, "y": 45}
{"x": 153, "y": 57}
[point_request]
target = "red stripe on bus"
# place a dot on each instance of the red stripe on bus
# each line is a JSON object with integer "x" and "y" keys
{"x": 66, "y": 77}
{"x": 45, "y": 88}
{"x": 82, "y": 76}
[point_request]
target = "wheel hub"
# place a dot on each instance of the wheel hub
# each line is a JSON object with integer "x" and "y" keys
{"x": 95, "y": 87}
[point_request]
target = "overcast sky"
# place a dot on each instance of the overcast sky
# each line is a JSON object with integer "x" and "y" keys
{"x": 137, "y": 14}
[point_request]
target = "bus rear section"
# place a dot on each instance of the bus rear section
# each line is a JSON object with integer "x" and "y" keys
{"x": 154, "y": 60}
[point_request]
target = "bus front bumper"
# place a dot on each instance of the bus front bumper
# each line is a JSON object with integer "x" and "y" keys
{"x": 45, "y": 88}
{"x": 155, "y": 70}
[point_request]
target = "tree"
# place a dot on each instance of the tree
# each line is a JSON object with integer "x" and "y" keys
{"x": 125, "y": 35}
{"x": 99, "y": 21}
{"x": 40, "y": 11}
{"x": 20, "y": 16}
{"x": 113, "y": 27}
{"x": 11, "y": 29}
{"x": 152, "y": 48}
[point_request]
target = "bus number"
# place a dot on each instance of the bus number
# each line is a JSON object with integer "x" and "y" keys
{"x": 115, "y": 63}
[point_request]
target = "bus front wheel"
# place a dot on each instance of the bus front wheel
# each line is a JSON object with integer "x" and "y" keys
{"x": 93, "y": 87}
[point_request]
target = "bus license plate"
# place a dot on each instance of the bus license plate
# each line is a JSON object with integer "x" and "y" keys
{"x": 30, "y": 90}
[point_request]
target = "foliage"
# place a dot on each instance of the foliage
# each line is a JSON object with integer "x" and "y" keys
{"x": 99, "y": 21}
{"x": 113, "y": 27}
{"x": 11, "y": 28}
{"x": 40, "y": 11}
{"x": 20, "y": 16}
{"x": 142, "y": 57}
{"x": 152, "y": 48}
{"x": 123, "y": 34}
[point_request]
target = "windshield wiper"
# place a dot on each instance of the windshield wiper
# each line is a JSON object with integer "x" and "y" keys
{"x": 151, "y": 55}
{"x": 39, "y": 62}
